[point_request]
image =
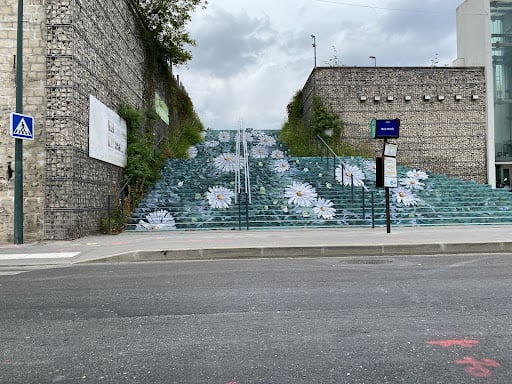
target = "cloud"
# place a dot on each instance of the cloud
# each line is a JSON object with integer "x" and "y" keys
{"x": 229, "y": 44}
{"x": 252, "y": 56}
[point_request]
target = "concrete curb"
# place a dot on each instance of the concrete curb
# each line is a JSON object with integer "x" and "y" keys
{"x": 304, "y": 251}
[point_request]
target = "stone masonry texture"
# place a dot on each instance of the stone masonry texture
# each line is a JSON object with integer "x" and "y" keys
{"x": 442, "y": 112}
{"x": 72, "y": 49}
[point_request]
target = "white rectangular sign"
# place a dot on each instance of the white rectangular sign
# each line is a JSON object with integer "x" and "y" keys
{"x": 107, "y": 134}
{"x": 390, "y": 172}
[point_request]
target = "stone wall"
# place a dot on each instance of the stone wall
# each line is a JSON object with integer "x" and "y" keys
{"x": 34, "y": 74}
{"x": 72, "y": 49}
{"x": 442, "y": 113}
{"x": 93, "y": 49}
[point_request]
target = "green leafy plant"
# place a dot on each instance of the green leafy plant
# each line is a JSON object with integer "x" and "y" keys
{"x": 166, "y": 20}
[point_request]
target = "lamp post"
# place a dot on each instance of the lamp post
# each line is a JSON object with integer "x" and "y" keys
{"x": 374, "y": 60}
{"x": 18, "y": 144}
{"x": 314, "y": 46}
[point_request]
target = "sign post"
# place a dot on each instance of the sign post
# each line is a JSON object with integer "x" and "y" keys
{"x": 386, "y": 165}
{"x": 18, "y": 145}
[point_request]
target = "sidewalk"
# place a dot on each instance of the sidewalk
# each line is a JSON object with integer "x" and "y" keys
{"x": 324, "y": 242}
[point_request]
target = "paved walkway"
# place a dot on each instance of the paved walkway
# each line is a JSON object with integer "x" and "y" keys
{"x": 193, "y": 245}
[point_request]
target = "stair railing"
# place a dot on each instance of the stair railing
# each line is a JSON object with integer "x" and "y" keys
{"x": 242, "y": 165}
{"x": 364, "y": 188}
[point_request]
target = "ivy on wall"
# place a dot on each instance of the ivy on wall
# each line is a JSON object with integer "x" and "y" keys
{"x": 301, "y": 139}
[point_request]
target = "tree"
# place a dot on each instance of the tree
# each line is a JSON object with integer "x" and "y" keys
{"x": 166, "y": 20}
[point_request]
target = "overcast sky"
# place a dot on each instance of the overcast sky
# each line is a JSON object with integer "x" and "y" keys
{"x": 253, "y": 55}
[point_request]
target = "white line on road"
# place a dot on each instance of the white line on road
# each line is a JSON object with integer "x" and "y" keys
{"x": 24, "y": 256}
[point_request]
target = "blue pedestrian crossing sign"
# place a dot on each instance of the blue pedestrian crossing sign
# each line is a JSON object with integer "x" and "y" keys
{"x": 22, "y": 126}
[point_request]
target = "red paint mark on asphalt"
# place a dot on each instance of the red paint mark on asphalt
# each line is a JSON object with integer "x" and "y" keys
{"x": 232, "y": 382}
{"x": 466, "y": 343}
{"x": 119, "y": 243}
{"x": 478, "y": 368}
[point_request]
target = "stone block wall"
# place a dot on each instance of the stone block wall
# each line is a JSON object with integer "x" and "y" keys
{"x": 72, "y": 49}
{"x": 442, "y": 112}
{"x": 34, "y": 75}
{"x": 93, "y": 48}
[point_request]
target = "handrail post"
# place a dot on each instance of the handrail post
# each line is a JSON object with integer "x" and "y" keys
{"x": 352, "y": 186}
{"x": 373, "y": 208}
{"x": 364, "y": 205}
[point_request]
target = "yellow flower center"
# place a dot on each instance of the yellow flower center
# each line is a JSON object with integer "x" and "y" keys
{"x": 323, "y": 208}
{"x": 220, "y": 196}
{"x": 300, "y": 193}
{"x": 349, "y": 174}
{"x": 402, "y": 194}
{"x": 413, "y": 182}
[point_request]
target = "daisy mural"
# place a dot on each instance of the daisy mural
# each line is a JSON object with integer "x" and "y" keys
{"x": 418, "y": 175}
{"x": 324, "y": 209}
{"x": 405, "y": 196}
{"x": 219, "y": 197}
{"x": 224, "y": 137}
{"x": 211, "y": 143}
{"x": 412, "y": 183}
{"x": 281, "y": 166}
{"x": 226, "y": 162}
{"x": 300, "y": 194}
{"x": 277, "y": 154}
{"x": 267, "y": 141}
{"x": 259, "y": 152}
{"x": 160, "y": 220}
{"x": 345, "y": 174}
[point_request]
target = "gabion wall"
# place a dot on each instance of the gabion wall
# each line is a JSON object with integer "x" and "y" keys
{"x": 442, "y": 112}
{"x": 34, "y": 100}
{"x": 93, "y": 48}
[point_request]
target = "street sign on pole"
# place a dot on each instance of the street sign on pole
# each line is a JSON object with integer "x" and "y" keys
{"x": 22, "y": 126}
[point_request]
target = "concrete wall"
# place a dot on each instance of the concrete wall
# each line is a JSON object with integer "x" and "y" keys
{"x": 443, "y": 136}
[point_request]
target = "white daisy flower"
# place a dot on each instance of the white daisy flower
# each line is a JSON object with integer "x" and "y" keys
{"x": 370, "y": 166}
{"x": 412, "y": 183}
{"x": 192, "y": 152}
{"x": 224, "y": 136}
{"x": 219, "y": 197}
{"x": 226, "y": 162}
{"x": 160, "y": 220}
{"x": 300, "y": 194}
{"x": 267, "y": 141}
{"x": 180, "y": 184}
{"x": 324, "y": 209}
{"x": 281, "y": 166}
{"x": 211, "y": 143}
{"x": 344, "y": 175}
{"x": 257, "y": 133}
{"x": 418, "y": 175}
{"x": 277, "y": 154}
{"x": 259, "y": 152}
{"x": 405, "y": 196}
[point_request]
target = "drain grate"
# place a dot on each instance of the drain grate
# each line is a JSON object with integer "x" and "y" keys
{"x": 367, "y": 261}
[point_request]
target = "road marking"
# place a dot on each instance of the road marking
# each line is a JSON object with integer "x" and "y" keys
{"x": 24, "y": 256}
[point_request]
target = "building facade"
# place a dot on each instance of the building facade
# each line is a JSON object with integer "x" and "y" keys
{"x": 72, "y": 50}
{"x": 484, "y": 38}
{"x": 442, "y": 112}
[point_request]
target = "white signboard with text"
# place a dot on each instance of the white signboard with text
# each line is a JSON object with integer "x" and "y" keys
{"x": 107, "y": 134}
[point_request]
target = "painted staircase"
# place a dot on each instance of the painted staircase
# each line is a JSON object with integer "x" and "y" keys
{"x": 201, "y": 193}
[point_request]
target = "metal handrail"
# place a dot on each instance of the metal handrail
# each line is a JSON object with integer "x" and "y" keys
{"x": 336, "y": 157}
{"x": 364, "y": 187}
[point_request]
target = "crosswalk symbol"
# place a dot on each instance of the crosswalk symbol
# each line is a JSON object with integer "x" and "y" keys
{"x": 22, "y": 126}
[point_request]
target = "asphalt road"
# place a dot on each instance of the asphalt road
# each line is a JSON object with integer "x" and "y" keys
{"x": 288, "y": 321}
